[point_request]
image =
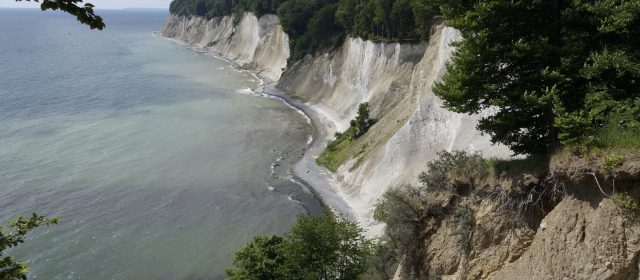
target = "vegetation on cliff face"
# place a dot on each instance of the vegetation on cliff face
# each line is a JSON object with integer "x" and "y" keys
{"x": 560, "y": 76}
{"x": 492, "y": 209}
{"x": 559, "y": 73}
{"x": 337, "y": 151}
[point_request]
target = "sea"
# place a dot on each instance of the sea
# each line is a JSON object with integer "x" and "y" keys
{"x": 160, "y": 161}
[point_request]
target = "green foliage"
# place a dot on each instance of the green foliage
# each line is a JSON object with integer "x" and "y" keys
{"x": 518, "y": 166}
{"x": 10, "y": 269}
{"x": 320, "y": 247}
{"x": 314, "y": 25}
{"x": 217, "y": 8}
{"x": 626, "y": 202}
{"x": 84, "y": 14}
{"x": 452, "y": 168}
{"x": 424, "y": 13}
{"x": 402, "y": 210}
{"x": 387, "y": 19}
{"x": 311, "y": 25}
{"x": 465, "y": 224}
{"x": 408, "y": 212}
{"x": 337, "y": 151}
{"x": 362, "y": 122}
{"x": 384, "y": 260}
{"x": 261, "y": 259}
{"x": 554, "y": 70}
{"x": 620, "y": 129}
{"x": 612, "y": 161}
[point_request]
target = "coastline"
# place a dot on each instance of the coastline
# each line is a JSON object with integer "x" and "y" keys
{"x": 315, "y": 177}
{"x": 305, "y": 172}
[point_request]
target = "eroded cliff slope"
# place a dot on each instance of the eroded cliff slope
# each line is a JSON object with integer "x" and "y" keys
{"x": 397, "y": 80}
{"x": 576, "y": 235}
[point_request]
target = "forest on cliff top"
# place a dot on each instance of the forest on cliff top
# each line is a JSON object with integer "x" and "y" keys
{"x": 563, "y": 73}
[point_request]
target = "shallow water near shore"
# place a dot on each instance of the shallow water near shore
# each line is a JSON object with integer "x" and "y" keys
{"x": 157, "y": 162}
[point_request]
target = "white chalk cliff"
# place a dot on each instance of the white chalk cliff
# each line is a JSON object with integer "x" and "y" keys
{"x": 254, "y": 44}
{"x": 584, "y": 237}
{"x": 396, "y": 79}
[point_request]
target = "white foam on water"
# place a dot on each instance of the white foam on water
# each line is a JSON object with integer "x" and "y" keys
{"x": 245, "y": 91}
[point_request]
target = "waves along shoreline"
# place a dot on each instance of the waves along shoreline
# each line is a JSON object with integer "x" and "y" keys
{"x": 305, "y": 171}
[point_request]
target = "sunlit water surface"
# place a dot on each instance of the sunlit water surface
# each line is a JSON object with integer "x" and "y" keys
{"x": 157, "y": 163}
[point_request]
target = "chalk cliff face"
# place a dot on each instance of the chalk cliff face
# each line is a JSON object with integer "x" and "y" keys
{"x": 254, "y": 44}
{"x": 584, "y": 238}
{"x": 397, "y": 81}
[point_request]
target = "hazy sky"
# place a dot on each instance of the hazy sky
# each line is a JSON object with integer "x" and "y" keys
{"x": 100, "y": 4}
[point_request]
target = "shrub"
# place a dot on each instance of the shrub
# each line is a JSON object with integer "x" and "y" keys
{"x": 465, "y": 223}
{"x": 320, "y": 247}
{"x": 453, "y": 167}
{"x": 612, "y": 161}
{"x": 626, "y": 202}
{"x": 402, "y": 210}
{"x": 384, "y": 261}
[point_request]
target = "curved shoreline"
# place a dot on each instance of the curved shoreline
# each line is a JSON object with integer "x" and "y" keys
{"x": 305, "y": 172}
{"x": 322, "y": 183}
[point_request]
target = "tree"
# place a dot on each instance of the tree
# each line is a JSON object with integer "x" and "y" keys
{"x": 10, "y": 269}
{"x": 402, "y": 210}
{"x": 424, "y": 12}
{"x": 261, "y": 259}
{"x": 362, "y": 122}
{"x": 324, "y": 247}
{"x": 552, "y": 70}
{"x": 84, "y": 14}
{"x": 320, "y": 247}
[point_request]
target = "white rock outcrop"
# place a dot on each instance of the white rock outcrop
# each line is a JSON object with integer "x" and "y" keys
{"x": 254, "y": 44}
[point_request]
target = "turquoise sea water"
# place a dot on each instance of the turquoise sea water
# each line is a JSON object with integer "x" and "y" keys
{"x": 159, "y": 167}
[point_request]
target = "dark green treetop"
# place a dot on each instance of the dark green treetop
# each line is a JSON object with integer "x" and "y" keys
{"x": 362, "y": 122}
{"x": 320, "y": 247}
{"x": 84, "y": 14}
{"x": 554, "y": 71}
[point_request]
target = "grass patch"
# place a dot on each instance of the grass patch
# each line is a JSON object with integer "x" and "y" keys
{"x": 212, "y": 43}
{"x": 337, "y": 151}
{"x": 615, "y": 137}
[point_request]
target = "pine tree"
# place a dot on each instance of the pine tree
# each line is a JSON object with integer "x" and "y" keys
{"x": 553, "y": 70}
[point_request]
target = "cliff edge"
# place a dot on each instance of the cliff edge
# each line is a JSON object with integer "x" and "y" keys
{"x": 554, "y": 223}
